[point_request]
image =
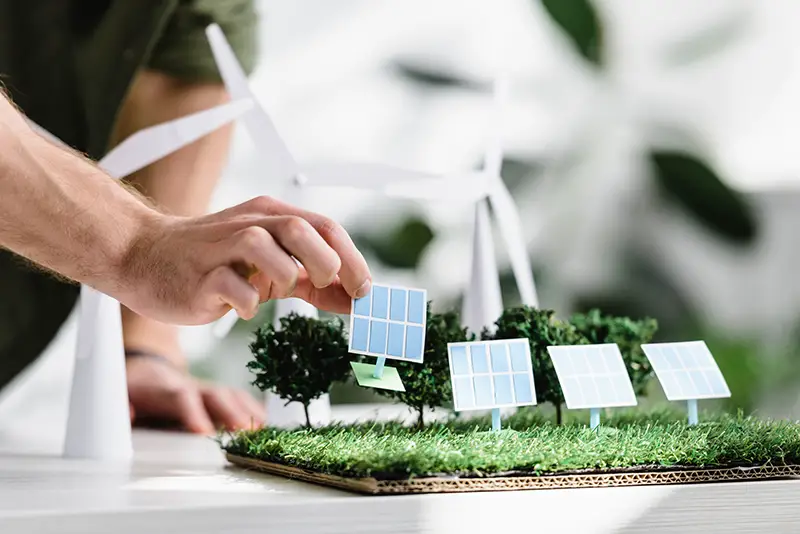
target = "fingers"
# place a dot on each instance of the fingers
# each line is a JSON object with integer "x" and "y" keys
{"x": 254, "y": 410}
{"x": 225, "y": 289}
{"x": 192, "y": 412}
{"x": 270, "y": 268}
{"x": 267, "y": 247}
{"x": 301, "y": 240}
{"x": 353, "y": 272}
{"x": 224, "y": 408}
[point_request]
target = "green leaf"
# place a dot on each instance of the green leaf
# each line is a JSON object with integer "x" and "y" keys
{"x": 435, "y": 77}
{"x": 579, "y": 20}
{"x": 403, "y": 247}
{"x": 693, "y": 184}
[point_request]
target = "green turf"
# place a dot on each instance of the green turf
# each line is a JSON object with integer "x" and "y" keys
{"x": 527, "y": 443}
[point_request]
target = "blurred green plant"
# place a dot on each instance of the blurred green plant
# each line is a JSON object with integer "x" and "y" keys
{"x": 435, "y": 78}
{"x": 682, "y": 177}
{"x": 579, "y": 21}
{"x": 696, "y": 187}
{"x": 402, "y": 248}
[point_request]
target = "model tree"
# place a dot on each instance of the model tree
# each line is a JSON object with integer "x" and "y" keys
{"x": 542, "y": 329}
{"x": 428, "y": 385}
{"x": 628, "y": 334}
{"x": 301, "y": 360}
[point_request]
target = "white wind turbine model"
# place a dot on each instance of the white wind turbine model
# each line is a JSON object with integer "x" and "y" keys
{"x": 483, "y": 300}
{"x": 98, "y": 424}
{"x": 293, "y": 180}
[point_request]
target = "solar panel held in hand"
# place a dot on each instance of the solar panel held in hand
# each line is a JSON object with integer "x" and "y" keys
{"x": 491, "y": 374}
{"x": 592, "y": 376}
{"x": 389, "y": 322}
{"x": 686, "y": 370}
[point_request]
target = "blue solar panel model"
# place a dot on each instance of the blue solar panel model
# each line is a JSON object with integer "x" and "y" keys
{"x": 390, "y": 323}
{"x": 592, "y": 376}
{"x": 687, "y": 372}
{"x": 491, "y": 375}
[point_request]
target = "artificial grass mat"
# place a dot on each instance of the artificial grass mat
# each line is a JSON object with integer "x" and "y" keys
{"x": 528, "y": 444}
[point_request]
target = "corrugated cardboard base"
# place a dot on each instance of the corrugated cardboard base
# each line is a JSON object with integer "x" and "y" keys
{"x": 372, "y": 486}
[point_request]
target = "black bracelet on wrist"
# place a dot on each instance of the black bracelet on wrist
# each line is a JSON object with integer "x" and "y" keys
{"x": 136, "y": 353}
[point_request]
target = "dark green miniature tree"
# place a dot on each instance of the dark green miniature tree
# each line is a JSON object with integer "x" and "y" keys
{"x": 628, "y": 334}
{"x": 301, "y": 360}
{"x": 542, "y": 329}
{"x": 428, "y": 384}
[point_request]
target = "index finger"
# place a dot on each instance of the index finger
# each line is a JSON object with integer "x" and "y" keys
{"x": 354, "y": 274}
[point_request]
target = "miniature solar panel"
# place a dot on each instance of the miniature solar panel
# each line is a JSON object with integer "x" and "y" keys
{"x": 686, "y": 370}
{"x": 592, "y": 376}
{"x": 389, "y": 322}
{"x": 491, "y": 374}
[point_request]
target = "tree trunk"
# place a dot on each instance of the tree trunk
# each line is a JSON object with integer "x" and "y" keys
{"x": 420, "y": 417}
{"x": 558, "y": 413}
{"x": 308, "y": 419}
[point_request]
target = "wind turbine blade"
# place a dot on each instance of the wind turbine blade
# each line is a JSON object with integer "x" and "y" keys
{"x": 510, "y": 225}
{"x": 263, "y": 132}
{"x": 483, "y": 301}
{"x": 467, "y": 188}
{"x": 369, "y": 176}
{"x": 493, "y": 161}
{"x": 151, "y": 144}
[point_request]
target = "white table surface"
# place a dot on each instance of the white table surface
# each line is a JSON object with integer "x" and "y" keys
{"x": 181, "y": 483}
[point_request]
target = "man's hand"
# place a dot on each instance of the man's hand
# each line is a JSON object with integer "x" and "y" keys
{"x": 160, "y": 391}
{"x": 193, "y": 270}
{"x": 63, "y": 213}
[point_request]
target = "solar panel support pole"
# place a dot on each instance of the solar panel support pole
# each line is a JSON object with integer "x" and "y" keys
{"x": 594, "y": 418}
{"x": 692, "y": 409}
{"x": 379, "y": 368}
{"x": 495, "y": 419}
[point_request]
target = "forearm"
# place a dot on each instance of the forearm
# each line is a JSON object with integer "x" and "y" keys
{"x": 60, "y": 211}
{"x": 181, "y": 183}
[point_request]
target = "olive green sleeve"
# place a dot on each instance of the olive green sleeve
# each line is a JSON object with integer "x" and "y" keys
{"x": 183, "y": 50}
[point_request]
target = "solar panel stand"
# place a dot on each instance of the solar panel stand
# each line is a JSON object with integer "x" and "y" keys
{"x": 495, "y": 419}
{"x": 379, "y": 368}
{"x": 594, "y": 418}
{"x": 692, "y": 409}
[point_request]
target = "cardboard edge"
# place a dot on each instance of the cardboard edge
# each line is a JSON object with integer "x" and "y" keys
{"x": 361, "y": 485}
{"x": 372, "y": 486}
